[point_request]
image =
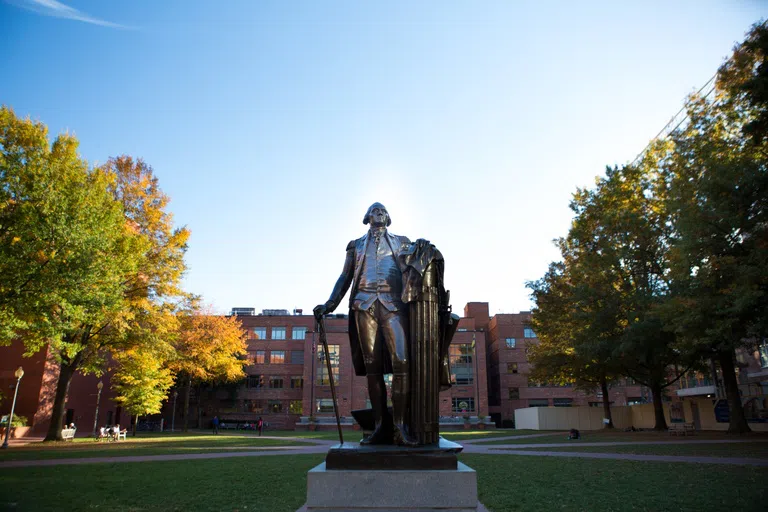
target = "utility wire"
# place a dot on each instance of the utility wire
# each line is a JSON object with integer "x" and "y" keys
{"x": 672, "y": 120}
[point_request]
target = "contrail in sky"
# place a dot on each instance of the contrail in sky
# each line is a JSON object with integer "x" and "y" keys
{"x": 59, "y": 10}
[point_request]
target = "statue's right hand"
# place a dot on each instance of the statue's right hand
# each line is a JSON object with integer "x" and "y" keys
{"x": 320, "y": 311}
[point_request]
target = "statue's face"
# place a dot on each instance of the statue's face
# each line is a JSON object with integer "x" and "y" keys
{"x": 379, "y": 217}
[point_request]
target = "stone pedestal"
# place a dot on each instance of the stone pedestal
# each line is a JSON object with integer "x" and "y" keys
{"x": 391, "y": 490}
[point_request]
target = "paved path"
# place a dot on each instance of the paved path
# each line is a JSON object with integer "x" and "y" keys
{"x": 320, "y": 446}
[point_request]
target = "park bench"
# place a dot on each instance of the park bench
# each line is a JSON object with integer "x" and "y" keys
{"x": 68, "y": 433}
{"x": 121, "y": 434}
{"x": 681, "y": 429}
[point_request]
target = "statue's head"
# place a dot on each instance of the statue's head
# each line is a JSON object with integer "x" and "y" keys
{"x": 377, "y": 215}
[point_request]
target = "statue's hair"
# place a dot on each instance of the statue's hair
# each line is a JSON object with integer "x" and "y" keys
{"x": 367, "y": 219}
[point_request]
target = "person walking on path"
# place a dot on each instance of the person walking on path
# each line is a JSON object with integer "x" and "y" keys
{"x": 215, "y": 424}
{"x": 260, "y": 424}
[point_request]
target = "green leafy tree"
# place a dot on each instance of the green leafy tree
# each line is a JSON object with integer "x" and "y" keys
{"x": 60, "y": 236}
{"x": 567, "y": 317}
{"x": 142, "y": 381}
{"x": 143, "y": 317}
{"x": 65, "y": 250}
{"x": 209, "y": 349}
{"x": 718, "y": 195}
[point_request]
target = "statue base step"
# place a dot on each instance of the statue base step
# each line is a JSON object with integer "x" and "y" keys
{"x": 391, "y": 490}
{"x": 354, "y": 456}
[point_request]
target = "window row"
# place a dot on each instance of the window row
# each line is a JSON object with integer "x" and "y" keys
{"x": 273, "y": 406}
{"x": 275, "y": 357}
{"x": 544, "y": 402}
{"x": 321, "y": 366}
{"x": 274, "y": 382}
{"x": 461, "y": 363}
{"x": 463, "y": 405}
{"x": 278, "y": 333}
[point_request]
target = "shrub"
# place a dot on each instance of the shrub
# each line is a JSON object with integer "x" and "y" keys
{"x": 18, "y": 421}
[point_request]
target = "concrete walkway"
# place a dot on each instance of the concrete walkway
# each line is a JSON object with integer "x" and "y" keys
{"x": 321, "y": 446}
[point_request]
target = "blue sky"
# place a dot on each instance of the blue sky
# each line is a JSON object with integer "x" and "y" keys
{"x": 273, "y": 125}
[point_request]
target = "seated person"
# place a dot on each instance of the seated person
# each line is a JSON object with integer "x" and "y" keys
{"x": 573, "y": 434}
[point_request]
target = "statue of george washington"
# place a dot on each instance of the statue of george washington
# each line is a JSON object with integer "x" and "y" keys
{"x": 400, "y": 323}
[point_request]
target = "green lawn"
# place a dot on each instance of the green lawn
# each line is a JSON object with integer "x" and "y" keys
{"x": 143, "y": 444}
{"x": 511, "y": 483}
{"x": 750, "y": 450}
{"x": 276, "y": 484}
{"x": 245, "y": 484}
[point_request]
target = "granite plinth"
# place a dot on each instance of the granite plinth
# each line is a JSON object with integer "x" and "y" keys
{"x": 391, "y": 490}
{"x": 352, "y": 456}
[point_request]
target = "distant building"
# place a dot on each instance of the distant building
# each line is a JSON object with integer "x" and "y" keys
{"x": 287, "y": 380}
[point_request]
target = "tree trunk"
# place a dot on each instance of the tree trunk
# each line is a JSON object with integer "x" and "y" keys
{"x": 606, "y": 403}
{"x": 738, "y": 422}
{"x": 135, "y": 424}
{"x": 59, "y": 402}
{"x": 186, "y": 404}
{"x": 660, "y": 422}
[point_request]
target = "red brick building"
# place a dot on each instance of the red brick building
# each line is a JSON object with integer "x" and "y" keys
{"x": 508, "y": 336}
{"x": 287, "y": 380}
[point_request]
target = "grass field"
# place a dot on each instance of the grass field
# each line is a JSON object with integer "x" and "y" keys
{"x": 757, "y": 450}
{"x": 143, "y": 444}
{"x": 512, "y": 483}
{"x": 278, "y": 484}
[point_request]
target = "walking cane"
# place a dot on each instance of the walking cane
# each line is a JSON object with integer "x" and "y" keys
{"x": 324, "y": 341}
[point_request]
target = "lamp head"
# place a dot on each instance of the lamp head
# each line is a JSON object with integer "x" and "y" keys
{"x": 19, "y": 373}
{"x": 100, "y": 385}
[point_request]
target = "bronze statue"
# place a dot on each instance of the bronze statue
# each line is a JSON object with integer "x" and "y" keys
{"x": 391, "y": 279}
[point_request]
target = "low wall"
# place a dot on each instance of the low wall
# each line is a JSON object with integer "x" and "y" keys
{"x": 566, "y": 418}
{"x": 638, "y": 416}
{"x": 16, "y": 432}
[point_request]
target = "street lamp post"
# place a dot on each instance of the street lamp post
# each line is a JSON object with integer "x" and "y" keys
{"x": 96, "y": 415}
{"x": 19, "y": 373}
{"x": 173, "y": 418}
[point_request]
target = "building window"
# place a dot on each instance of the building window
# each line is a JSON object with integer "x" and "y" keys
{"x": 297, "y": 357}
{"x": 275, "y": 383}
{"x": 275, "y": 406}
{"x": 528, "y": 333}
{"x": 511, "y": 367}
{"x": 514, "y": 393}
{"x": 260, "y": 333}
{"x": 260, "y": 357}
{"x": 630, "y": 401}
{"x": 462, "y": 370}
{"x": 461, "y": 330}
{"x": 278, "y": 333}
{"x": 463, "y": 405}
{"x": 299, "y": 333}
{"x": 253, "y": 406}
{"x": 324, "y": 405}
{"x": 538, "y": 402}
{"x": 255, "y": 381}
{"x": 277, "y": 356}
{"x": 763, "y": 349}
{"x": 322, "y": 368}
{"x": 511, "y": 342}
{"x": 297, "y": 382}
{"x": 562, "y": 402}
{"x": 295, "y": 407}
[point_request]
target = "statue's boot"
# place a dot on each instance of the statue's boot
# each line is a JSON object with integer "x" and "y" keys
{"x": 377, "y": 391}
{"x": 399, "y": 410}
